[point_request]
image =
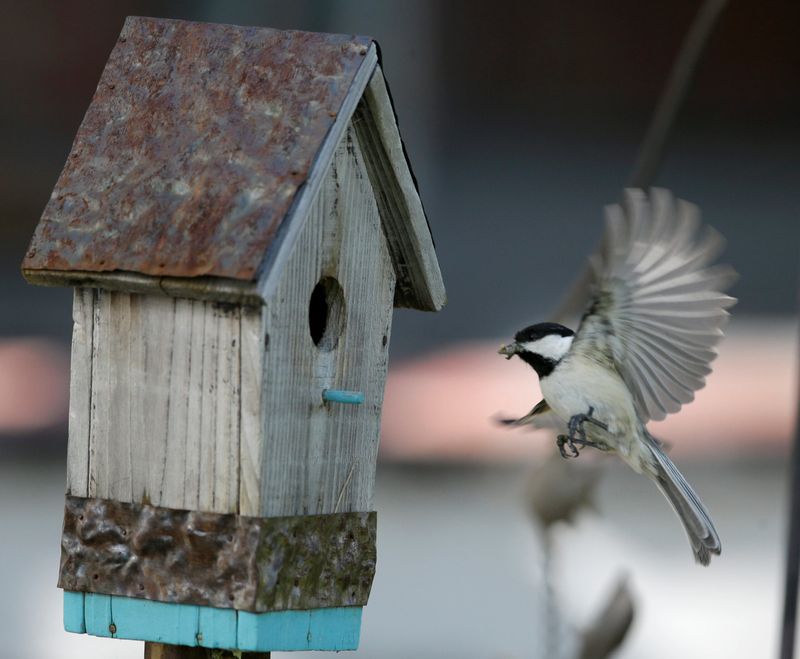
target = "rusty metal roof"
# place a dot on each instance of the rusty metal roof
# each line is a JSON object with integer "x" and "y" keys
{"x": 193, "y": 149}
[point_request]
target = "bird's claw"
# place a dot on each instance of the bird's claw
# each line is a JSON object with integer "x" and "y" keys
{"x": 562, "y": 441}
{"x": 577, "y": 435}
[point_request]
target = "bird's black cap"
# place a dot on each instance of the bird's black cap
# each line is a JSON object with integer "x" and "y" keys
{"x": 536, "y": 332}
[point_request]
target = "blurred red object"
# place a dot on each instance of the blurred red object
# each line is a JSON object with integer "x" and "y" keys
{"x": 443, "y": 406}
{"x": 34, "y": 385}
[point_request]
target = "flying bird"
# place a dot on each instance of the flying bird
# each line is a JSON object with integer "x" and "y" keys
{"x": 643, "y": 347}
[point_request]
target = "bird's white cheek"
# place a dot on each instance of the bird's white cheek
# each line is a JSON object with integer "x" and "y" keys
{"x": 552, "y": 346}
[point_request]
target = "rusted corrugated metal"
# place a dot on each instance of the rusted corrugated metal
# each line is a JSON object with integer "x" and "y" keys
{"x": 209, "y": 559}
{"x": 196, "y": 142}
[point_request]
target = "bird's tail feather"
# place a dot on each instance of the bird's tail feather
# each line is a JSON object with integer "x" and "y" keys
{"x": 691, "y": 511}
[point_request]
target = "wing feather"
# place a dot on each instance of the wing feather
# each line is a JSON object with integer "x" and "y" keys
{"x": 692, "y": 358}
{"x": 658, "y": 306}
{"x": 679, "y": 367}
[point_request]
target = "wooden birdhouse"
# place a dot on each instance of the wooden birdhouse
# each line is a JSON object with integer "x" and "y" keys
{"x": 238, "y": 219}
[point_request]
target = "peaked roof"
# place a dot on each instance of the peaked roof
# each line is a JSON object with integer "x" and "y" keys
{"x": 201, "y": 144}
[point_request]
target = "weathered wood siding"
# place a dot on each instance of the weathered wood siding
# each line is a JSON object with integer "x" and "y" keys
{"x": 215, "y": 407}
{"x": 164, "y": 397}
{"x": 320, "y": 457}
{"x": 80, "y": 392}
{"x": 419, "y": 280}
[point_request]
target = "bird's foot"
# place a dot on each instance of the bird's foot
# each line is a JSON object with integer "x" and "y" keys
{"x": 569, "y": 442}
{"x": 577, "y": 435}
{"x": 572, "y": 444}
{"x": 575, "y": 425}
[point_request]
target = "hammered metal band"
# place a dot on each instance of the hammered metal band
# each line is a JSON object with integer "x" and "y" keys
{"x": 208, "y": 559}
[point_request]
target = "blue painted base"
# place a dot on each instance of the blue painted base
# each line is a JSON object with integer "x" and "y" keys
{"x": 184, "y": 624}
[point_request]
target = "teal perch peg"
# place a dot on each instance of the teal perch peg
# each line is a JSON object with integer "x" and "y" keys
{"x": 342, "y": 396}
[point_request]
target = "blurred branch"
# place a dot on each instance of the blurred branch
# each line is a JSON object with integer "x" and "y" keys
{"x": 574, "y": 302}
{"x": 652, "y": 150}
{"x": 559, "y": 489}
{"x": 788, "y": 630}
{"x": 611, "y": 625}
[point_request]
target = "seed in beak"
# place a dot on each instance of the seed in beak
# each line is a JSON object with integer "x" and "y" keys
{"x": 509, "y": 351}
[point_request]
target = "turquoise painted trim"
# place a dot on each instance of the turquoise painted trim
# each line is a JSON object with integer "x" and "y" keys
{"x": 321, "y": 629}
{"x": 217, "y": 627}
{"x": 339, "y": 627}
{"x": 287, "y": 632}
{"x": 74, "y": 620}
{"x": 97, "y": 612}
{"x": 184, "y": 624}
{"x": 161, "y": 622}
{"x": 341, "y": 396}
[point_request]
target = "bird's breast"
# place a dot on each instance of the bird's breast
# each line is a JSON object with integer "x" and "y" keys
{"x": 578, "y": 384}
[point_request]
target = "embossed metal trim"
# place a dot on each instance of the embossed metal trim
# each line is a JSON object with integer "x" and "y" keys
{"x": 215, "y": 289}
{"x": 197, "y": 288}
{"x": 195, "y": 145}
{"x": 227, "y": 561}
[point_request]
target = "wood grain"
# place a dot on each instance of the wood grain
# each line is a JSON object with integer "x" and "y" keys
{"x": 320, "y": 457}
{"x": 166, "y": 401}
{"x": 80, "y": 392}
{"x": 251, "y": 372}
{"x": 419, "y": 280}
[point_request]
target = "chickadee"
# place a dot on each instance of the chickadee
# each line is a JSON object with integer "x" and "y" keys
{"x": 642, "y": 349}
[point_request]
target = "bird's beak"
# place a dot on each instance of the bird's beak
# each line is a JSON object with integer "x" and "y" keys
{"x": 509, "y": 351}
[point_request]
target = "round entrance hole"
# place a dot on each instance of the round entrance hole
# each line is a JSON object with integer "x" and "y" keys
{"x": 326, "y": 313}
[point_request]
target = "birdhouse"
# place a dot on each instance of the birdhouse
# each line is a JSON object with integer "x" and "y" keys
{"x": 238, "y": 219}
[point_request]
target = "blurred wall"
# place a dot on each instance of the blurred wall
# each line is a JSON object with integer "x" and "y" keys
{"x": 521, "y": 118}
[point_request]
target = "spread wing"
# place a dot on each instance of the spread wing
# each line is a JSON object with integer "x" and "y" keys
{"x": 657, "y": 306}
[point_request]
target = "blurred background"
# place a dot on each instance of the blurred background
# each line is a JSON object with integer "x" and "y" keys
{"x": 522, "y": 119}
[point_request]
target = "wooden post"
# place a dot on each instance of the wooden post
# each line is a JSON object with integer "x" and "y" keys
{"x": 161, "y": 651}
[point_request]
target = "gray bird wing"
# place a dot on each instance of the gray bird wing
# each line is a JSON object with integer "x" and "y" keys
{"x": 656, "y": 306}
